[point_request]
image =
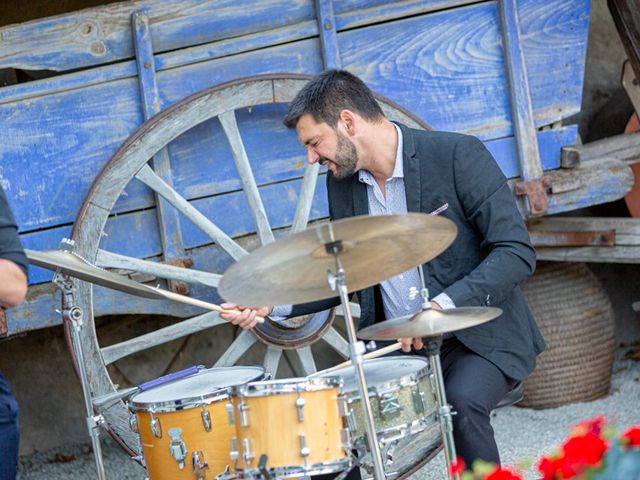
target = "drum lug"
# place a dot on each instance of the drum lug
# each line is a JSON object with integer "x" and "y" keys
{"x": 432, "y": 381}
{"x": 133, "y": 423}
{"x": 389, "y": 406}
{"x": 156, "y": 427}
{"x": 418, "y": 401}
{"x": 230, "y": 411}
{"x": 343, "y": 406}
{"x": 233, "y": 453}
{"x": 244, "y": 414}
{"x": 351, "y": 421}
{"x": 300, "y": 402}
{"x": 206, "y": 419}
{"x": 345, "y": 439}
{"x": 200, "y": 466}
{"x": 177, "y": 447}
{"x": 247, "y": 454}
{"x": 304, "y": 449}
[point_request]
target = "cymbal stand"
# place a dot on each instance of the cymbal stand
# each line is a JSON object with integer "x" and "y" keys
{"x": 73, "y": 313}
{"x": 432, "y": 347}
{"x": 337, "y": 282}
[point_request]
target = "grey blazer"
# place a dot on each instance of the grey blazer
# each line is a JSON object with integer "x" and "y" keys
{"x": 490, "y": 256}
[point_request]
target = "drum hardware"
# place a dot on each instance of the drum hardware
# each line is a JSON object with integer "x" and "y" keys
{"x": 133, "y": 423}
{"x": 199, "y": 465}
{"x": 233, "y": 453}
{"x": 231, "y": 412}
{"x": 247, "y": 452}
{"x": 177, "y": 447}
{"x": 156, "y": 427}
{"x": 300, "y": 403}
{"x": 305, "y": 451}
{"x": 73, "y": 313}
{"x": 262, "y": 467}
{"x": 206, "y": 419}
{"x": 243, "y": 408}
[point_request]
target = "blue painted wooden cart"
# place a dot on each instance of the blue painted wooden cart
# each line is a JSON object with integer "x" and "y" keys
{"x": 199, "y": 87}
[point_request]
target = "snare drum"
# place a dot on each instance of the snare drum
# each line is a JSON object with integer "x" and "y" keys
{"x": 184, "y": 425}
{"x": 404, "y": 409}
{"x": 289, "y": 428}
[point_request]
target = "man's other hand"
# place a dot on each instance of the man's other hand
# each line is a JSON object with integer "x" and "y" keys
{"x": 242, "y": 316}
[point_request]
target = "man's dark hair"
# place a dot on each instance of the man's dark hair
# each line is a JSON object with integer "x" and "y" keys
{"x": 329, "y": 93}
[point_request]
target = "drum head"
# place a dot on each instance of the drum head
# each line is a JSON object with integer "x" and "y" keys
{"x": 205, "y": 384}
{"x": 380, "y": 371}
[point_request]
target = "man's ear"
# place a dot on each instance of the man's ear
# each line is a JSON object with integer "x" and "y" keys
{"x": 349, "y": 121}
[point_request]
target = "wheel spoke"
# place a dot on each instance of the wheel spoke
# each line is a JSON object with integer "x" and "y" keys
{"x": 240, "y": 345}
{"x": 355, "y": 310}
{"x": 272, "y": 360}
{"x": 147, "y": 176}
{"x": 196, "y": 324}
{"x": 107, "y": 259}
{"x": 306, "y": 359}
{"x": 305, "y": 199}
{"x": 249, "y": 185}
{"x": 337, "y": 342}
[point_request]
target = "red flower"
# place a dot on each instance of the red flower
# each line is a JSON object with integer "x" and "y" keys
{"x": 585, "y": 450}
{"x": 500, "y": 473}
{"x": 590, "y": 426}
{"x": 631, "y": 437}
{"x": 457, "y": 467}
{"x": 549, "y": 468}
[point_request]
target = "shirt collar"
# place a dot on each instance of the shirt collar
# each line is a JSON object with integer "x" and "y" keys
{"x": 365, "y": 176}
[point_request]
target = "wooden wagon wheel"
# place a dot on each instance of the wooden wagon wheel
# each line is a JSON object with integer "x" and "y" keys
{"x": 130, "y": 162}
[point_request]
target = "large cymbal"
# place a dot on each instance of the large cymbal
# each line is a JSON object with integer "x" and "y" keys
{"x": 429, "y": 323}
{"x": 374, "y": 248}
{"x": 76, "y": 267}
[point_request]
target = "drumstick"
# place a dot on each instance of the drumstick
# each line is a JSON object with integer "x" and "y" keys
{"x": 199, "y": 303}
{"x": 367, "y": 356}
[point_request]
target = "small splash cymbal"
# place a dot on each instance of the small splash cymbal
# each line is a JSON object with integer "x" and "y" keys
{"x": 429, "y": 323}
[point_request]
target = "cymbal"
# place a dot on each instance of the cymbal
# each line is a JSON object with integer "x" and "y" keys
{"x": 429, "y": 323}
{"x": 75, "y": 266}
{"x": 294, "y": 269}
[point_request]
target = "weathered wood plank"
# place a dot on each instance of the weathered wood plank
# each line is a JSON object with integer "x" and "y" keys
{"x": 101, "y": 35}
{"x": 624, "y": 147}
{"x": 306, "y": 360}
{"x": 337, "y": 342}
{"x": 243, "y": 342}
{"x": 590, "y": 254}
{"x": 107, "y": 259}
{"x": 120, "y": 350}
{"x": 327, "y": 29}
{"x": 519, "y": 94}
{"x": 601, "y": 181}
{"x": 168, "y": 219}
{"x": 272, "y": 360}
{"x": 627, "y": 229}
{"x": 214, "y": 232}
{"x": 249, "y": 185}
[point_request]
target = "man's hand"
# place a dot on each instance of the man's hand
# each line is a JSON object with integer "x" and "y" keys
{"x": 416, "y": 342}
{"x": 246, "y": 316}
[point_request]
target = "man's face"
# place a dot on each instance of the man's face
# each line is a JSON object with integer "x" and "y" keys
{"x": 327, "y": 146}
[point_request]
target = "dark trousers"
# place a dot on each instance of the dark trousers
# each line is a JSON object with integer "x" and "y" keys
{"x": 8, "y": 432}
{"x": 473, "y": 386}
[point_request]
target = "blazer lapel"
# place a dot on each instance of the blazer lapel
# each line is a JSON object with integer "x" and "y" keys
{"x": 360, "y": 200}
{"x": 411, "y": 165}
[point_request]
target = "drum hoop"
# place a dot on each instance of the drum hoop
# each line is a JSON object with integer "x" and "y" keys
{"x": 219, "y": 395}
{"x": 405, "y": 381}
{"x": 323, "y": 468}
{"x": 185, "y": 403}
{"x": 287, "y": 385}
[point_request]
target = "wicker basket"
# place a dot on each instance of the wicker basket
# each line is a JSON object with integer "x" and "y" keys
{"x": 576, "y": 319}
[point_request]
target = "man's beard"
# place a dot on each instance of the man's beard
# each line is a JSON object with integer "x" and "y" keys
{"x": 346, "y": 158}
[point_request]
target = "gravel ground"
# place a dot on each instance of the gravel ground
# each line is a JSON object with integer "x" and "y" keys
{"x": 522, "y": 434}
